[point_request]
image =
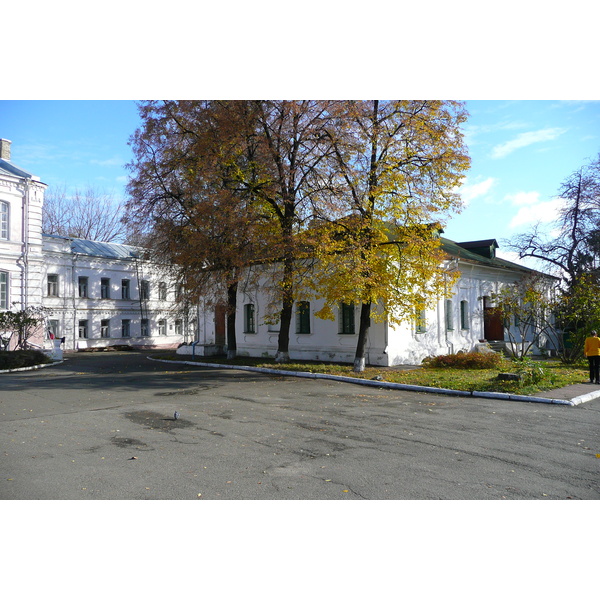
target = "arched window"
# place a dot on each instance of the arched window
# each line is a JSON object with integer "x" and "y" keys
{"x": 464, "y": 315}
{"x": 3, "y": 220}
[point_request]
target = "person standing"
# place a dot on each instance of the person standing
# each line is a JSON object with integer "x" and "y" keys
{"x": 592, "y": 351}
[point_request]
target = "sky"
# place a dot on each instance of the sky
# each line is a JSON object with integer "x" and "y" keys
{"x": 520, "y": 153}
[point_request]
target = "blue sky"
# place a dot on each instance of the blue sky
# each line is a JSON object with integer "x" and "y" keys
{"x": 521, "y": 151}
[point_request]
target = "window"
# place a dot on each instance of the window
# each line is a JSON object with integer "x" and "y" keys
{"x": 178, "y": 327}
{"x": 105, "y": 287}
{"x": 303, "y": 317}
{"x": 347, "y": 318}
{"x": 105, "y": 328}
{"x": 52, "y": 285}
{"x": 83, "y": 287}
{"x": 145, "y": 328}
{"x": 53, "y": 329}
{"x": 162, "y": 327}
{"x": 125, "y": 328}
{"x": 420, "y": 321}
{"x": 144, "y": 290}
{"x": 83, "y": 329}
{"x": 449, "y": 316}
{"x": 464, "y": 314}
{"x": 162, "y": 291}
{"x": 4, "y": 290}
{"x": 179, "y": 292}
{"x": 3, "y": 220}
{"x": 249, "y": 320}
{"x": 125, "y": 289}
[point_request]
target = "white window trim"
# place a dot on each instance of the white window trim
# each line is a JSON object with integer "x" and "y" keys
{"x": 4, "y": 221}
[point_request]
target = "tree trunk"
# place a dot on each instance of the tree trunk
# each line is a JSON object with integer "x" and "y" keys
{"x": 285, "y": 321}
{"x": 363, "y": 330}
{"x": 231, "y": 312}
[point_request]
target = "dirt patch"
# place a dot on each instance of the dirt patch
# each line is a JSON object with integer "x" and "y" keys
{"x": 127, "y": 442}
{"x": 160, "y": 421}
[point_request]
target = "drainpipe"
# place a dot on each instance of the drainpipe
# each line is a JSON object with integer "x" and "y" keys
{"x": 74, "y": 260}
{"x": 25, "y": 251}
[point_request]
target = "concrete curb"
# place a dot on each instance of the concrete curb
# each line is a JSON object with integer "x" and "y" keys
{"x": 394, "y": 386}
{"x": 33, "y": 368}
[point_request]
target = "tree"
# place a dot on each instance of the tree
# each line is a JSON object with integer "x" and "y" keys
{"x": 23, "y": 323}
{"x": 528, "y": 309}
{"x": 288, "y": 150}
{"x": 185, "y": 198}
{"x": 573, "y": 247}
{"x": 87, "y": 214}
{"x": 394, "y": 170}
{"x": 577, "y": 313}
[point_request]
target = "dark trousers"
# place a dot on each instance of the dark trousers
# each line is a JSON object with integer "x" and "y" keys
{"x": 594, "y": 368}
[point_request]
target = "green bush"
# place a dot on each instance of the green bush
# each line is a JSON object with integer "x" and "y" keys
{"x": 464, "y": 360}
{"x": 16, "y": 359}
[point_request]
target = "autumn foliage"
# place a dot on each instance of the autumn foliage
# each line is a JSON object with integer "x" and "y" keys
{"x": 341, "y": 200}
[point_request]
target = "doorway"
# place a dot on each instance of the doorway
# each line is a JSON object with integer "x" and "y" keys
{"x": 493, "y": 327}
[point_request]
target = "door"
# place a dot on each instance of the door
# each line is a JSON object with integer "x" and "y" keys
{"x": 493, "y": 327}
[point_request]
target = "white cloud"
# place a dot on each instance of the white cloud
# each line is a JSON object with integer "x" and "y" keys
{"x": 109, "y": 162}
{"x": 523, "y": 198}
{"x": 539, "y": 212}
{"x": 526, "y": 139}
{"x": 470, "y": 191}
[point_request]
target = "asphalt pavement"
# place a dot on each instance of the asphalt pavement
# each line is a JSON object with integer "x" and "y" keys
{"x": 102, "y": 426}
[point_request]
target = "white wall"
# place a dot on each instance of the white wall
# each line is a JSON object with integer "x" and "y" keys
{"x": 387, "y": 345}
{"x": 69, "y": 309}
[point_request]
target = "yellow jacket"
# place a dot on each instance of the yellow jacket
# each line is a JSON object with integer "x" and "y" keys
{"x": 592, "y": 346}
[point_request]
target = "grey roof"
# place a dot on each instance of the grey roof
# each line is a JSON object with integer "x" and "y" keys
{"x": 104, "y": 249}
{"x": 7, "y": 168}
{"x": 464, "y": 251}
{"x": 100, "y": 249}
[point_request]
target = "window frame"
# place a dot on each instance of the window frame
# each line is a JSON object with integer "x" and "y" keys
{"x": 125, "y": 289}
{"x": 4, "y": 290}
{"x": 449, "y": 315}
{"x": 4, "y": 220}
{"x": 52, "y": 285}
{"x": 125, "y": 328}
{"x": 347, "y": 319}
{"x": 105, "y": 328}
{"x": 83, "y": 327}
{"x": 83, "y": 288}
{"x": 162, "y": 290}
{"x": 464, "y": 315}
{"x": 145, "y": 327}
{"x": 144, "y": 289}
{"x": 53, "y": 328}
{"x": 105, "y": 288}
{"x": 303, "y": 317}
{"x": 162, "y": 327}
{"x": 249, "y": 318}
{"x": 420, "y": 320}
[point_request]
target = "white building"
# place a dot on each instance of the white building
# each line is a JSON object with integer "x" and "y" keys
{"x": 99, "y": 294}
{"x": 460, "y": 321}
{"x": 96, "y": 294}
{"x": 21, "y": 258}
